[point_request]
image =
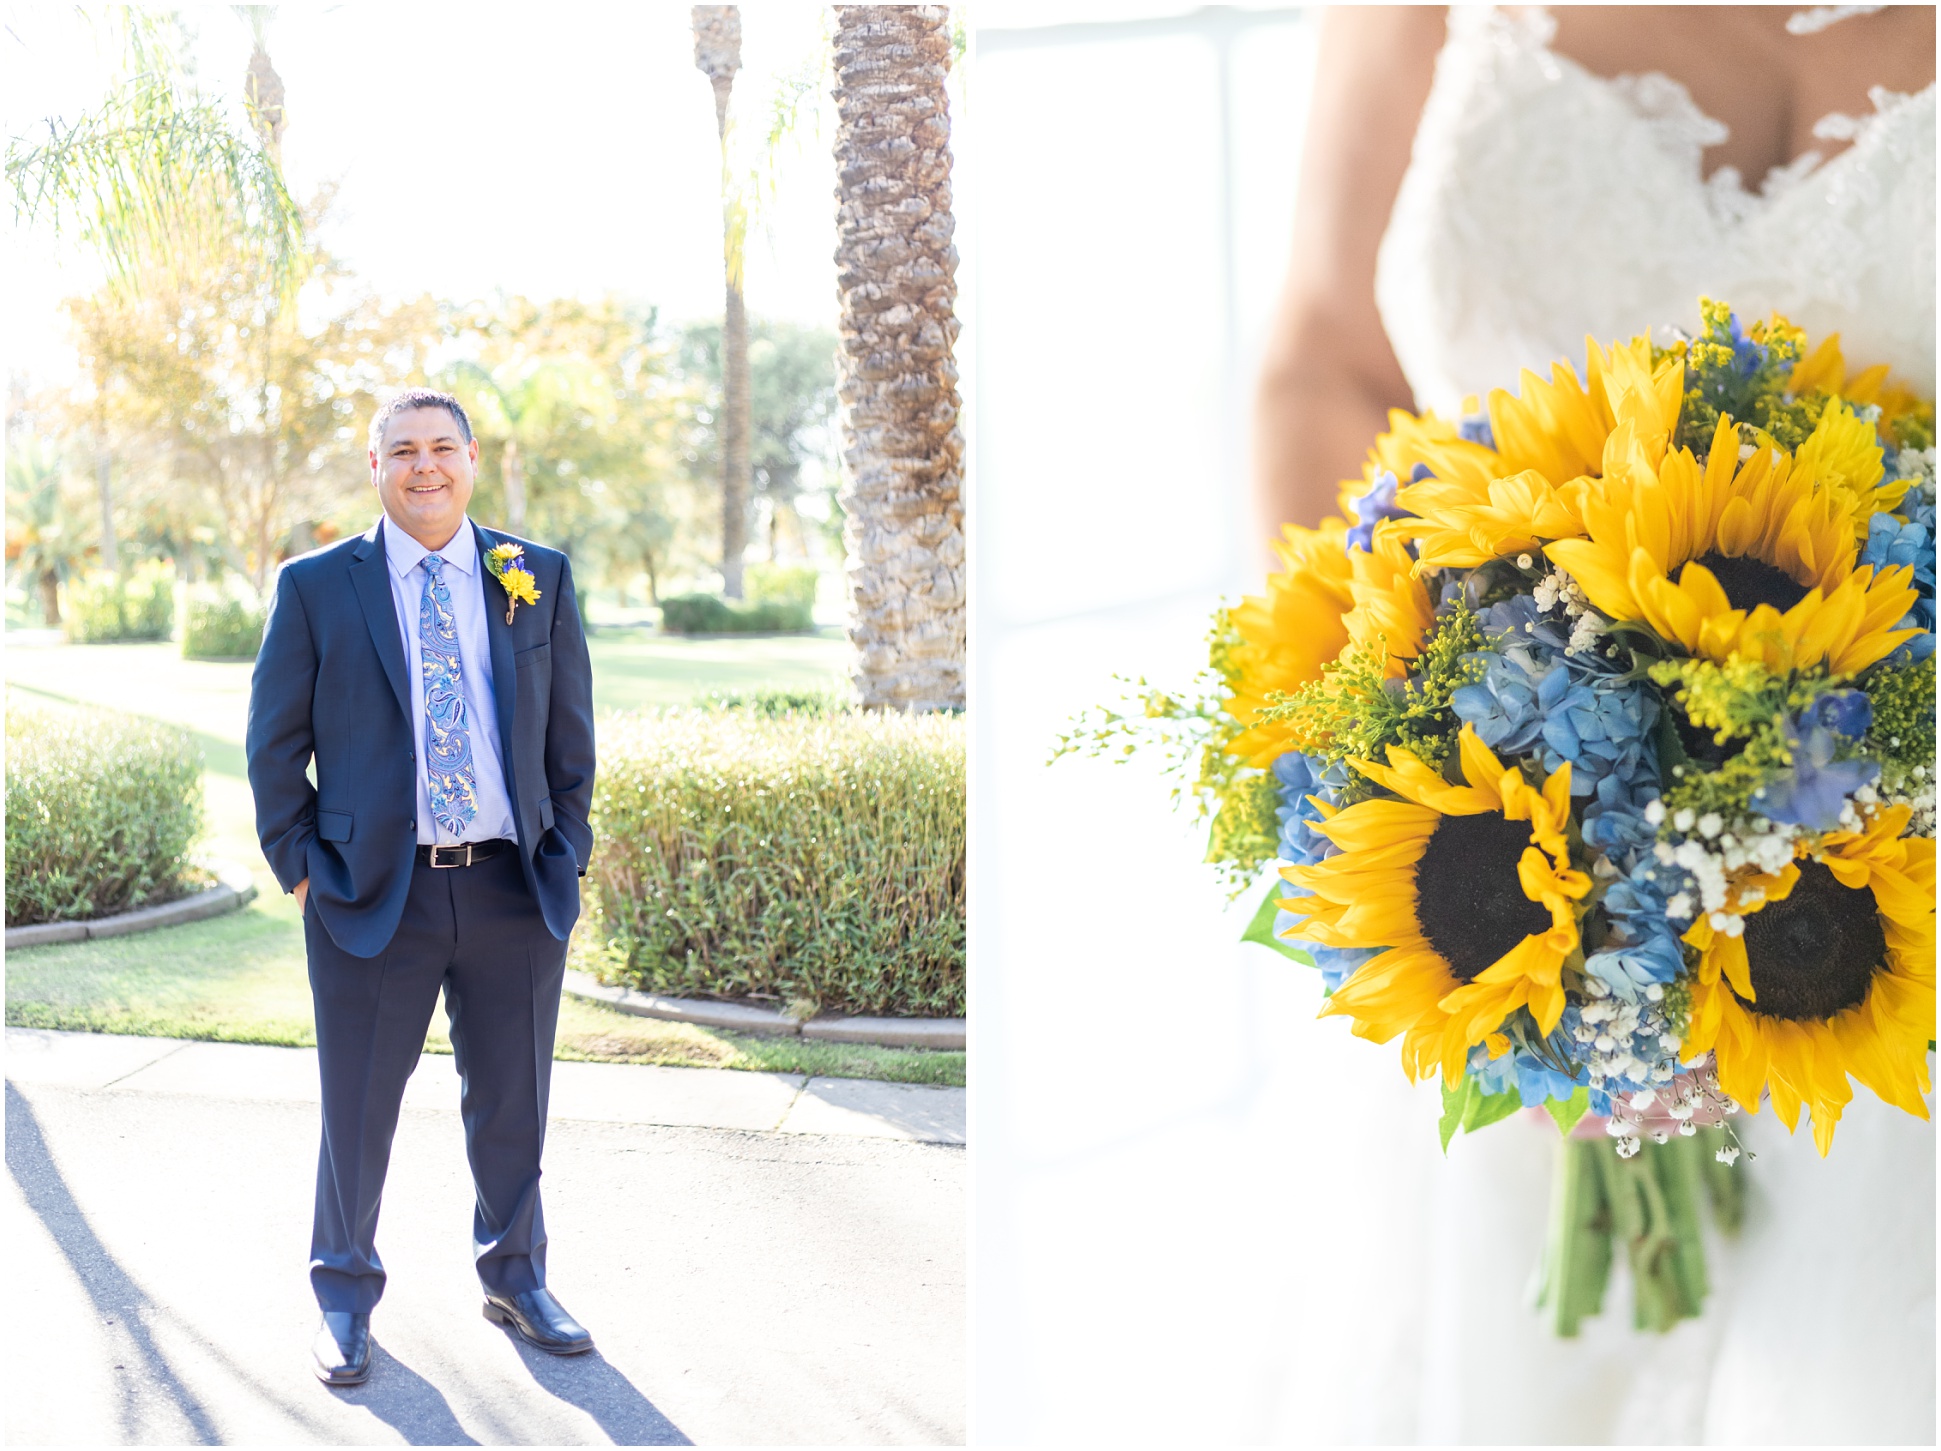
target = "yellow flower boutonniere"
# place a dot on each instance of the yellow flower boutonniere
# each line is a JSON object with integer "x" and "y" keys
{"x": 506, "y": 563}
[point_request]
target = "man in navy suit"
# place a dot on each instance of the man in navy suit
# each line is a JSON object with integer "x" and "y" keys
{"x": 449, "y": 717}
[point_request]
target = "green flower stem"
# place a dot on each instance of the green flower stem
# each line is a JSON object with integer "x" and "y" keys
{"x": 1649, "y": 1202}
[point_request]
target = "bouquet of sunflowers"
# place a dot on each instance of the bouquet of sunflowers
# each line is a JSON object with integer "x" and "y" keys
{"x": 1595, "y": 742}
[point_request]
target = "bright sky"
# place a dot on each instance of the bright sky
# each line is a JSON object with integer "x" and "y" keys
{"x": 541, "y": 149}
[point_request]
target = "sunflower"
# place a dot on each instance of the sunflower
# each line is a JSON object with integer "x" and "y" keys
{"x": 1833, "y": 975}
{"x": 1287, "y": 634}
{"x": 1768, "y": 558}
{"x": 1824, "y": 369}
{"x": 1391, "y": 610}
{"x": 1842, "y": 456}
{"x": 1551, "y": 441}
{"x": 1428, "y": 439}
{"x": 1467, "y": 891}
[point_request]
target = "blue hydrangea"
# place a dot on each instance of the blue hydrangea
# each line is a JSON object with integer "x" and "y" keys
{"x": 1534, "y": 1081}
{"x": 1604, "y": 730}
{"x": 1642, "y": 949}
{"x": 1301, "y": 845}
{"x": 1892, "y": 542}
{"x": 1601, "y": 727}
{"x": 1506, "y": 706}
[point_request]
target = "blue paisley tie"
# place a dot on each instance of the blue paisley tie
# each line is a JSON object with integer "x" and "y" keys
{"x": 449, "y": 772}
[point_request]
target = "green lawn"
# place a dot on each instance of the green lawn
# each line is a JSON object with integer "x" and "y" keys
{"x": 241, "y": 978}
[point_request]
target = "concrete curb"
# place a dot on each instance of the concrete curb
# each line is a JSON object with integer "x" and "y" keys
{"x": 234, "y": 890}
{"x": 946, "y": 1033}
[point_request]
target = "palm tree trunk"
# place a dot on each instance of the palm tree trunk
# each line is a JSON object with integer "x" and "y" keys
{"x": 896, "y": 270}
{"x": 717, "y": 53}
{"x": 50, "y": 597}
{"x": 737, "y": 424}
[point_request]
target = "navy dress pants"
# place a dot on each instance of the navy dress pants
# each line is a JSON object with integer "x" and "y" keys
{"x": 477, "y": 933}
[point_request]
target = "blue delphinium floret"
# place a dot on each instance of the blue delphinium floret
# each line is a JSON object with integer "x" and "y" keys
{"x": 1813, "y": 791}
{"x": 1379, "y": 504}
{"x": 1474, "y": 428}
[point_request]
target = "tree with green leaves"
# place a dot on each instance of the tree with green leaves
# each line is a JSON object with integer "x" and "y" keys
{"x": 792, "y": 397}
{"x": 41, "y": 547}
{"x": 159, "y": 184}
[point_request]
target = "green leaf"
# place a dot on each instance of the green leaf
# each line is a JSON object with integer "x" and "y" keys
{"x": 1486, "y": 1109}
{"x": 1567, "y": 1111}
{"x": 1467, "y": 1107}
{"x": 1261, "y": 929}
{"x": 1455, "y": 1103}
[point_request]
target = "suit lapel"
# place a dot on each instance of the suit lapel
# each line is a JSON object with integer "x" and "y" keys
{"x": 499, "y": 633}
{"x": 370, "y": 576}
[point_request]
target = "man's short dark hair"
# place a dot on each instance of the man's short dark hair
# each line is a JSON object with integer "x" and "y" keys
{"x": 410, "y": 398}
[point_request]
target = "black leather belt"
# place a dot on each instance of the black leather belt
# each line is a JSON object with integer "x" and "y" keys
{"x": 463, "y": 854}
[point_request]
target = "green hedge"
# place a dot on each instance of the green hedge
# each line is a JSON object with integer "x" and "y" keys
{"x": 701, "y": 614}
{"x": 218, "y": 625}
{"x": 782, "y": 584}
{"x": 101, "y": 811}
{"x": 794, "y": 860}
{"x": 139, "y": 606}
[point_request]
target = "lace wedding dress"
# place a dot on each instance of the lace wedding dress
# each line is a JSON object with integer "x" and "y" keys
{"x": 1544, "y": 203}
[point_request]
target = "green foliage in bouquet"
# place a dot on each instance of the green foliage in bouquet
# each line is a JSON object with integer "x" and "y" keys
{"x": 1354, "y": 711}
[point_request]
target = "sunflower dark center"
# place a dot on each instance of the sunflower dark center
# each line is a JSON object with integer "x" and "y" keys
{"x": 1469, "y": 903}
{"x": 1748, "y": 582}
{"x": 1817, "y": 951}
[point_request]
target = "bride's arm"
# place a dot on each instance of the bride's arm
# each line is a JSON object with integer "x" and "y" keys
{"x": 1329, "y": 376}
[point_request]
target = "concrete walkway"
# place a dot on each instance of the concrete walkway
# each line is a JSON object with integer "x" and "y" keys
{"x": 761, "y": 1259}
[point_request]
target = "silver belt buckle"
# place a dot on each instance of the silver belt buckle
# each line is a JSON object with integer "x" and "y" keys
{"x": 465, "y": 861}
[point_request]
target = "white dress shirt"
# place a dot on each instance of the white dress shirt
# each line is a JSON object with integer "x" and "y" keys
{"x": 463, "y": 582}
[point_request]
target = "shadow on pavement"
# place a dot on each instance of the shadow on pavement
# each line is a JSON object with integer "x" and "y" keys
{"x": 405, "y": 1401}
{"x": 117, "y": 1299}
{"x": 596, "y": 1387}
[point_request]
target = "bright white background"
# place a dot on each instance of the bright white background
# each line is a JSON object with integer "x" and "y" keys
{"x": 1143, "y": 1087}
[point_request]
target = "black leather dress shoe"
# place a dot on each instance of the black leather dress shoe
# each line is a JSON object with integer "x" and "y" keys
{"x": 542, "y": 1322}
{"x": 342, "y": 1348}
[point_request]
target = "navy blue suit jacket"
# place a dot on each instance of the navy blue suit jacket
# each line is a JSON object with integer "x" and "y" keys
{"x": 331, "y": 684}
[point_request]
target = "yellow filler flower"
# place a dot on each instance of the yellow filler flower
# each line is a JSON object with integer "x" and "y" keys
{"x": 1768, "y": 558}
{"x": 1468, "y": 890}
{"x": 1833, "y": 975}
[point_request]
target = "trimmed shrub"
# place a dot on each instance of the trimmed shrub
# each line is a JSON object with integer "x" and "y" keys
{"x": 771, "y": 702}
{"x": 796, "y": 860}
{"x": 220, "y": 625}
{"x": 704, "y": 614}
{"x": 104, "y": 607}
{"x": 101, "y": 811}
{"x": 782, "y": 584}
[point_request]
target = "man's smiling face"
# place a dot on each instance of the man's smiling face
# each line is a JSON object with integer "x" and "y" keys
{"x": 424, "y": 471}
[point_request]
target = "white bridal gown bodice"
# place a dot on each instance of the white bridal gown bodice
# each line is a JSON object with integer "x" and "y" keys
{"x": 1544, "y": 203}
